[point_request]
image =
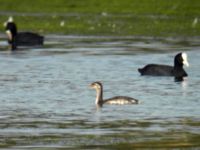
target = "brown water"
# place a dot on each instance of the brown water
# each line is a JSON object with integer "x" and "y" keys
{"x": 46, "y": 102}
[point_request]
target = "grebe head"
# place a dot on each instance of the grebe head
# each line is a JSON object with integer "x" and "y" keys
{"x": 96, "y": 85}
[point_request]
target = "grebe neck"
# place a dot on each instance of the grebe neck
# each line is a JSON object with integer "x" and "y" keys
{"x": 99, "y": 96}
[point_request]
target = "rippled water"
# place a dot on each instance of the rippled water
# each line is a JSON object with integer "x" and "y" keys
{"x": 46, "y": 102}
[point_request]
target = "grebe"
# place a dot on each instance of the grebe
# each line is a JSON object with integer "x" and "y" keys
{"x": 22, "y": 38}
{"x": 164, "y": 70}
{"x": 121, "y": 100}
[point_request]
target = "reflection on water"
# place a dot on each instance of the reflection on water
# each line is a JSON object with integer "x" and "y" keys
{"x": 46, "y": 102}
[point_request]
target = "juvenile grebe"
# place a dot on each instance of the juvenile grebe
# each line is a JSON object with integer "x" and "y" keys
{"x": 121, "y": 100}
{"x": 164, "y": 70}
{"x": 22, "y": 38}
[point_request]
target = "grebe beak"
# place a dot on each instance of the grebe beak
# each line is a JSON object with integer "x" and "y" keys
{"x": 91, "y": 86}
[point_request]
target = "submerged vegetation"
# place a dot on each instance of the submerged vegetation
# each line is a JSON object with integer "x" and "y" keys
{"x": 103, "y": 17}
{"x": 138, "y": 134}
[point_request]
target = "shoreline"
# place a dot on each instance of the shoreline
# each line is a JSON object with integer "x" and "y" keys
{"x": 116, "y": 18}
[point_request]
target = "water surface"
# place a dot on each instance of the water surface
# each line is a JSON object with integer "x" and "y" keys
{"x": 46, "y": 102}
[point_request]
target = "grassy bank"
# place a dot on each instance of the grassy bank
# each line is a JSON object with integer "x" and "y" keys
{"x": 103, "y": 17}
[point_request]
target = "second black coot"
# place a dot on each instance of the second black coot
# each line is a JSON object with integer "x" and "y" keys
{"x": 16, "y": 38}
{"x": 165, "y": 70}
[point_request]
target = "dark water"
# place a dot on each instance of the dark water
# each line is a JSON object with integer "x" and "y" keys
{"x": 46, "y": 102}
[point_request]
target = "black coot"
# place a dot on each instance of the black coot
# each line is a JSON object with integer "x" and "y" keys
{"x": 22, "y": 38}
{"x": 164, "y": 70}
